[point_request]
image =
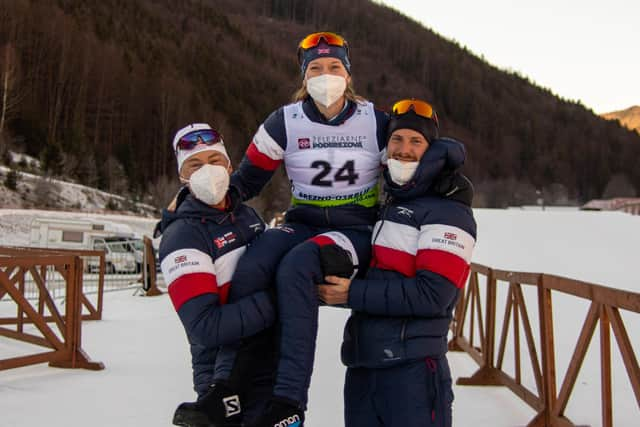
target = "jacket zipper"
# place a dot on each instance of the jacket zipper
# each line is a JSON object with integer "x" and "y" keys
{"x": 384, "y": 217}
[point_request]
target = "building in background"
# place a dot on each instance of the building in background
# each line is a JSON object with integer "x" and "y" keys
{"x": 624, "y": 204}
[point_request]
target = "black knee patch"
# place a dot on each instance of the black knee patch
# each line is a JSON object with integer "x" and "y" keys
{"x": 336, "y": 261}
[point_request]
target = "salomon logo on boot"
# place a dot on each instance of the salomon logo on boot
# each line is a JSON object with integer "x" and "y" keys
{"x": 292, "y": 421}
{"x": 231, "y": 405}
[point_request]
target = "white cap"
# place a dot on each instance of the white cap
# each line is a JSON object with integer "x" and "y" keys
{"x": 182, "y": 155}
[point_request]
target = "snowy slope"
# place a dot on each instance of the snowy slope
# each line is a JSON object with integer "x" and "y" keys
{"x": 66, "y": 195}
{"x": 144, "y": 349}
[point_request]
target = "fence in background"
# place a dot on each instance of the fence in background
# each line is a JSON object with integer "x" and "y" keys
{"x": 474, "y": 331}
{"x": 93, "y": 283}
{"x": 41, "y": 320}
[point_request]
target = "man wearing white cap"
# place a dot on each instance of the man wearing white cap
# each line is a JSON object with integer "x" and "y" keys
{"x": 202, "y": 239}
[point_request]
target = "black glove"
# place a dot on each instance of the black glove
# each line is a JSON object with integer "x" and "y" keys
{"x": 336, "y": 261}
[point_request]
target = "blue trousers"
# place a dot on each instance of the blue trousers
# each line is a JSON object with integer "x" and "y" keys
{"x": 289, "y": 256}
{"x": 413, "y": 394}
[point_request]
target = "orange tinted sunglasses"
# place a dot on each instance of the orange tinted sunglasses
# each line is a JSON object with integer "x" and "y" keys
{"x": 313, "y": 40}
{"x": 419, "y": 107}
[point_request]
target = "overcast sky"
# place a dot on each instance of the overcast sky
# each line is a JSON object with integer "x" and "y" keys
{"x": 582, "y": 50}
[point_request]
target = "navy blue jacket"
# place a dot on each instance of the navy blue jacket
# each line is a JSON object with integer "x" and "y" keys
{"x": 199, "y": 251}
{"x": 256, "y": 169}
{"x": 422, "y": 246}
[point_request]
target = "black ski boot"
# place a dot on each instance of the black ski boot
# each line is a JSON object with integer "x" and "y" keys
{"x": 222, "y": 406}
{"x": 189, "y": 414}
{"x": 281, "y": 412}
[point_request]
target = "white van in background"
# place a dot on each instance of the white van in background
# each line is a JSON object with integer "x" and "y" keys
{"x": 116, "y": 240}
{"x": 119, "y": 258}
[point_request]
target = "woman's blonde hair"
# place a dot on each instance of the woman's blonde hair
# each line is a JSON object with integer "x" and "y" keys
{"x": 349, "y": 93}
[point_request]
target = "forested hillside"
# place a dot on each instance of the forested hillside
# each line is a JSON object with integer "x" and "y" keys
{"x": 96, "y": 89}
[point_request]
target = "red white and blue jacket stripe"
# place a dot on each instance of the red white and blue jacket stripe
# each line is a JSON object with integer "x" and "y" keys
{"x": 422, "y": 247}
{"x": 266, "y": 153}
{"x": 199, "y": 251}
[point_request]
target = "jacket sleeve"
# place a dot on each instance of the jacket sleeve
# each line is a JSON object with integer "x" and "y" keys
{"x": 213, "y": 325}
{"x": 262, "y": 158}
{"x": 193, "y": 287}
{"x": 426, "y": 295}
{"x": 441, "y": 270}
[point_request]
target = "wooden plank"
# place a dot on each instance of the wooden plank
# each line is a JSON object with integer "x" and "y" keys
{"x": 516, "y": 276}
{"x": 490, "y": 330}
{"x": 37, "y": 319}
{"x": 505, "y": 328}
{"x": 605, "y": 369}
{"x": 516, "y": 341}
{"x": 28, "y": 261}
{"x": 470, "y": 350}
{"x": 17, "y": 362}
{"x": 93, "y": 313}
{"x": 576, "y": 360}
{"x": 26, "y": 337}
{"x": 526, "y": 395}
{"x": 467, "y": 299}
{"x": 20, "y": 322}
{"x": 481, "y": 329}
{"x": 101, "y": 283}
{"x": 601, "y": 294}
{"x": 545, "y": 305}
{"x": 626, "y": 350}
{"x": 479, "y": 268}
{"x": 472, "y": 318}
{"x": 531, "y": 344}
{"x": 46, "y": 297}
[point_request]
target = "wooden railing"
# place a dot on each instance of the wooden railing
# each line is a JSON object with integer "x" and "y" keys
{"x": 93, "y": 311}
{"x": 58, "y": 330}
{"x": 474, "y": 331}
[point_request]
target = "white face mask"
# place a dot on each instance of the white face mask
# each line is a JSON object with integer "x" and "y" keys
{"x": 210, "y": 183}
{"x": 326, "y": 89}
{"x": 401, "y": 172}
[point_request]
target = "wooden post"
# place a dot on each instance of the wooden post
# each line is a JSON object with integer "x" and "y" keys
{"x": 76, "y": 357}
{"x": 150, "y": 268}
{"x": 100, "y": 285}
{"x": 605, "y": 369}
{"x": 545, "y": 308}
{"x": 490, "y": 331}
{"x": 20, "y": 327}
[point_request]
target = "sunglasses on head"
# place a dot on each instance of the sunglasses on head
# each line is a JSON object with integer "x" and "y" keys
{"x": 206, "y": 136}
{"x": 313, "y": 40}
{"x": 421, "y": 108}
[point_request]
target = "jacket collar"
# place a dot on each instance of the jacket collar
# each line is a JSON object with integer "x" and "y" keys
{"x": 444, "y": 156}
{"x": 311, "y": 111}
{"x": 187, "y": 206}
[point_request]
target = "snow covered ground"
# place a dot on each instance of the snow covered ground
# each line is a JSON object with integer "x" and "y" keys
{"x": 147, "y": 373}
